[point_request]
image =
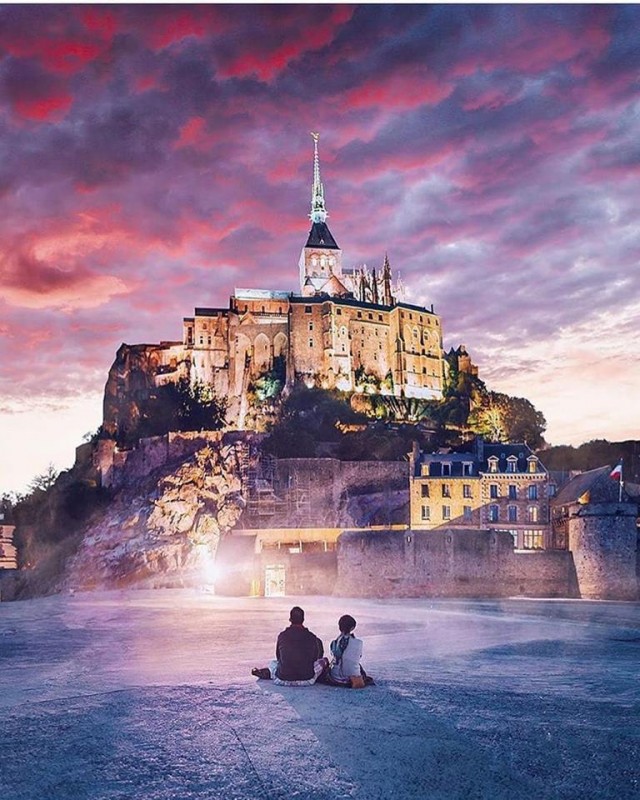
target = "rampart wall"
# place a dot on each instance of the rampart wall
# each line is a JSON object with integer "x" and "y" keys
{"x": 448, "y": 563}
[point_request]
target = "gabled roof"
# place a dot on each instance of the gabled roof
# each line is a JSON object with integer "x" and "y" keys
{"x": 601, "y": 488}
{"x": 320, "y": 236}
{"x": 334, "y": 287}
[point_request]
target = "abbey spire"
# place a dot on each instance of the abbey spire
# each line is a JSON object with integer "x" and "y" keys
{"x": 318, "y": 211}
{"x": 320, "y": 262}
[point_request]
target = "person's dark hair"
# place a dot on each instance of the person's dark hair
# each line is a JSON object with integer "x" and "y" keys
{"x": 296, "y": 616}
{"x": 346, "y": 623}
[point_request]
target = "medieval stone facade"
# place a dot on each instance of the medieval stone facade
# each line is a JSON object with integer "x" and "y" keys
{"x": 343, "y": 329}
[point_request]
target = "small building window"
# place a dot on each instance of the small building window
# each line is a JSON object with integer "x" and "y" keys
{"x": 466, "y": 490}
{"x": 533, "y": 540}
{"x": 446, "y": 512}
{"x": 446, "y": 490}
{"x": 425, "y": 513}
{"x": 446, "y": 469}
{"x": 467, "y": 467}
{"x": 379, "y": 317}
{"x": 533, "y": 464}
{"x": 494, "y": 513}
{"x": 338, "y": 311}
{"x": 310, "y": 342}
{"x": 512, "y": 512}
{"x": 424, "y": 490}
{"x": 493, "y": 464}
{"x": 359, "y": 314}
{"x": 532, "y": 491}
{"x": 552, "y": 490}
{"x": 512, "y": 464}
{"x": 311, "y": 326}
{"x": 533, "y": 513}
{"x": 466, "y": 512}
{"x": 494, "y": 490}
{"x": 307, "y": 309}
{"x": 513, "y": 491}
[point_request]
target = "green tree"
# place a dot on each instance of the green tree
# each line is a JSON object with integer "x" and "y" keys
{"x": 502, "y": 418}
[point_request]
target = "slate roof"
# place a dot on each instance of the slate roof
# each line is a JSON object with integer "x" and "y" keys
{"x": 601, "y": 488}
{"x": 501, "y": 451}
{"x": 321, "y": 236}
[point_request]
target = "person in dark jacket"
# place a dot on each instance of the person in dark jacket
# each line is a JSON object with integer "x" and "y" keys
{"x": 299, "y": 655}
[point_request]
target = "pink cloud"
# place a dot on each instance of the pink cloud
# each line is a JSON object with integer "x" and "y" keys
{"x": 266, "y": 63}
{"x": 403, "y": 90}
{"x": 48, "y": 271}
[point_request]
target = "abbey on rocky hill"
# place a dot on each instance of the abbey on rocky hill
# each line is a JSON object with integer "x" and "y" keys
{"x": 346, "y": 329}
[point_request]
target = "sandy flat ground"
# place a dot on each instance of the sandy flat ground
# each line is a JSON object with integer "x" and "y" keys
{"x": 148, "y": 695}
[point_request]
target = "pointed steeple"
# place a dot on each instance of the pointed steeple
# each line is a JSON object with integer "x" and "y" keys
{"x": 318, "y": 211}
{"x": 387, "y": 297}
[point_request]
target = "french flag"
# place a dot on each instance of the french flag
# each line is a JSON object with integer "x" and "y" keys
{"x": 616, "y": 472}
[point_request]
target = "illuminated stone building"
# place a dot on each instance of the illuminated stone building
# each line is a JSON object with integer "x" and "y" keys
{"x": 344, "y": 329}
{"x": 502, "y": 487}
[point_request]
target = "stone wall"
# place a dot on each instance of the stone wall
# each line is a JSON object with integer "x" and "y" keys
{"x": 447, "y": 563}
{"x": 603, "y": 539}
{"x": 115, "y": 468}
{"x": 333, "y": 493}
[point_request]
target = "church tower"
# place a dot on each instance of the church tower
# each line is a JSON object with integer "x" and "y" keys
{"x": 321, "y": 259}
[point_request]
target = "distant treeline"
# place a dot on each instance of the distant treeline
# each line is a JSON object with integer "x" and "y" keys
{"x": 594, "y": 454}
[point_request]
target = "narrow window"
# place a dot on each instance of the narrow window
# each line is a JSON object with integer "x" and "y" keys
{"x": 424, "y": 489}
{"x": 446, "y": 512}
{"x": 466, "y": 490}
{"x": 466, "y": 512}
{"x": 446, "y": 469}
{"x": 425, "y": 513}
{"x": 513, "y": 491}
{"x": 494, "y": 490}
{"x": 446, "y": 490}
{"x": 532, "y": 491}
{"x": 494, "y": 513}
{"x": 513, "y": 513}
{"x": 310, "y": 342}
{"x": 307, "y": 309}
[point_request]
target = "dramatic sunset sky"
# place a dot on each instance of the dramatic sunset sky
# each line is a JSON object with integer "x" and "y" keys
{"x": 155, "y": 157}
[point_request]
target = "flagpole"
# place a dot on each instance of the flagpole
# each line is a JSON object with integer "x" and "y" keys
{"x": 620, "y": 486}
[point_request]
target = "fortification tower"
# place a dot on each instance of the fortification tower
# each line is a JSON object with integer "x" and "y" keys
{"x": 321, "y": 259}
{"x": 600, "y": 530}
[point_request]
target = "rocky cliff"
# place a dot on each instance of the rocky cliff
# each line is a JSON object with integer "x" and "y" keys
{"x": 164, "y": 528}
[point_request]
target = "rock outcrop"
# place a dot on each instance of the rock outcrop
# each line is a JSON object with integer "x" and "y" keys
{"x": 164, "y": 529}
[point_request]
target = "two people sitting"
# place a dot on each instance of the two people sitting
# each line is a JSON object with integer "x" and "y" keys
{"x": 300, "y": 657}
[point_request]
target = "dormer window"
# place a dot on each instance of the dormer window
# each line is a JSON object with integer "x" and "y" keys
{"x": 533, "y": 464}
{"x": 512, "y": 464}
{"x": 446, "y": 469}
{"x": 493, "y": 463}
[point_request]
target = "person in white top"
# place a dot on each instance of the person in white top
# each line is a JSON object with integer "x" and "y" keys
{"x": 346, "y": 651}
